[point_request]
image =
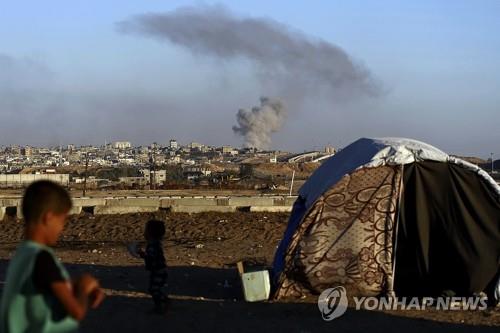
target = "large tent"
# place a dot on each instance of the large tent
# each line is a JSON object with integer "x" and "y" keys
{"x": 391, "y": 215}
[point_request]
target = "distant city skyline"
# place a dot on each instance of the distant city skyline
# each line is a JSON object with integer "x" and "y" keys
{"x": 178, "y": 145}
{"x": 70, "y": 74}
{"x": 133, "y": 145}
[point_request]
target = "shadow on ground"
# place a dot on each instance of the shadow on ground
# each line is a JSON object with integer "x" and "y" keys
{"x": 209, "y": 300}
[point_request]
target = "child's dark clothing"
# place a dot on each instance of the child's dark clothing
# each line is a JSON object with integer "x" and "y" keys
{"x": 155, "y": 263}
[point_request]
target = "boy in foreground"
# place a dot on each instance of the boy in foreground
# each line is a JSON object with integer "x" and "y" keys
{"x": 38, "y": 295}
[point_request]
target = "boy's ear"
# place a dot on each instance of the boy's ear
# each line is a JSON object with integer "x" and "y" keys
{"x": 46, "y": 217}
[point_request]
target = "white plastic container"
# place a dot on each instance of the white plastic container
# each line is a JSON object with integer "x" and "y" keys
{"x": 256, "y": 286}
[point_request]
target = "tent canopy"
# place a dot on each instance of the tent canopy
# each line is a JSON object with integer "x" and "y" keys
{"x": 446, "y": 206}
{"x": 367, "y": 152}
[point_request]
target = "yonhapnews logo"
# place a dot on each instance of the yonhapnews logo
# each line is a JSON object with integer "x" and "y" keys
{"x": 333, "y": 303}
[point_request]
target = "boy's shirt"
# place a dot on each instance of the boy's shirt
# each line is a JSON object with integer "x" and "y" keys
{"x": 45, "y": 272}
{"x": 27, "y": 303}
{"x": 154, "y": 258}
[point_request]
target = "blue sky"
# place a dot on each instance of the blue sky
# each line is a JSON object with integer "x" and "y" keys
{"x": 438, "y": 63}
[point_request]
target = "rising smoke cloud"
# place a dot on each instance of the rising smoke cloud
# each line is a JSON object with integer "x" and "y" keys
{"x": 289, "y": 64}
{"x": 257, "y": 124}
{"x": 282, "y": 56}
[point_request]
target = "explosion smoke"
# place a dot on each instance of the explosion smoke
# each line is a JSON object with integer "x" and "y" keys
{"x": 288, "y": 59}
{"x": 257, "y": 124}
{"x": 290, "y": 64}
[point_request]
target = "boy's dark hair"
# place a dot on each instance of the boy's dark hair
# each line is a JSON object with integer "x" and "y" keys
{"x": 44, "y": 196}
{"x": 155, "y": 228}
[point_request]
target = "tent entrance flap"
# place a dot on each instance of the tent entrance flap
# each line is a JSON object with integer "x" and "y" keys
{"x": 449, "y": 232}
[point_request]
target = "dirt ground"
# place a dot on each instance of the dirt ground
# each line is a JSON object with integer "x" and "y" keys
{"x": 202, "y": 250}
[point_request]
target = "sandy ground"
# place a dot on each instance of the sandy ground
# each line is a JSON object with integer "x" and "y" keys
{"x": 202, "y": 250}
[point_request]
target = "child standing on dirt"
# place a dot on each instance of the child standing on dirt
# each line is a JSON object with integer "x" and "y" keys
{"x": 38, "y": 295}
{"x": 155, "y": 264}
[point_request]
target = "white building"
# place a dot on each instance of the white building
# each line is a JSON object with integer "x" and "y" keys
{"x": 195, "y": 146}
{"x": 122, "y": 145}
{"x": 329, "y": 150}
{"x": 173, "y": 145}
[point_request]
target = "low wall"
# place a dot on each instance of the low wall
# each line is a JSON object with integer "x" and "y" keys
{"x": 21, "y": 180}
{"x": 124, "y": 205}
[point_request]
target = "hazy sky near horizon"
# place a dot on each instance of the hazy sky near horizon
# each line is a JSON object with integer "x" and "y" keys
{"x": 69, "y": 75}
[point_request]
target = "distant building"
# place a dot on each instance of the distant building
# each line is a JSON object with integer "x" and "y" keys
{"x": 329, "y": 150}
{"x": 192, "y": 173}
{"x": 205, "y": 149}
{"x": 122, "y": 145}
{"x": 174, "y": 160}
{"x": 195, "y": 146}
{"x": 16, "y": 150}
{"x": 28, "y": 151}
{"x": 228, "y": 150}
{"x": 173, "y": 145}
{"x": 134, "y": 181}
{"x": 158, "y": 176}
{"x": 248, "y": 150}
{"x": 44, "y": 151}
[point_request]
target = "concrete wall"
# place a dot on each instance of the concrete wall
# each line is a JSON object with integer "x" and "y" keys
{"x": 124, "y": 205}
{"x": 89, "y": 202}
{"x": 20, "y": 180}
{"x": 10, "y": 202}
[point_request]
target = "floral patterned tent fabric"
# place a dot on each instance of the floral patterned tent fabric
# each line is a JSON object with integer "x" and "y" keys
{"x": 340, "y": 231}
{"x": 346, "y": 237}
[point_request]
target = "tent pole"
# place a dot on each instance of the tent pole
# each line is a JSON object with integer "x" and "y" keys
{"x": 391, "y": 292}
{"x": 291, "y": 184}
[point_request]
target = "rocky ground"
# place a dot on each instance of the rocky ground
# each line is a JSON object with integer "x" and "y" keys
{"x": 202, "y": 250}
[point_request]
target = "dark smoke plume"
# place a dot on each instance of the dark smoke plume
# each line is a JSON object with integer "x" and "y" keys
{"x": 290, "y": 64}
{"x": 257, "y": 124}
{"x": 289, "y": 60}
